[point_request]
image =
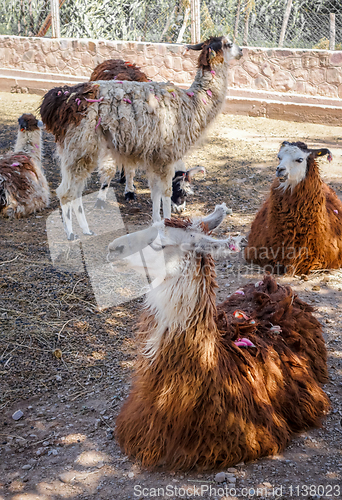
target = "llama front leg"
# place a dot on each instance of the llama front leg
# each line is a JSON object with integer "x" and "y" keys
{"x": 107, "y": 170}
{"x": 166, "y": 196}
{"x": 156, "y": 196}
{"x": 80, "y": 215}
{"x": 129, "y": 189}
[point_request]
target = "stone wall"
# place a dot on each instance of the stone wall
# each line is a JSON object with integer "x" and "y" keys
{"x": 306, "y": 72}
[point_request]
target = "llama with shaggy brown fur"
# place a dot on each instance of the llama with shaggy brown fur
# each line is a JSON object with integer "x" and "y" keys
{"x": 299, "y": 227}
{"x": 150, "y": 124}
{"x": 23, "y": 186}
{"x": 215, "y": 385}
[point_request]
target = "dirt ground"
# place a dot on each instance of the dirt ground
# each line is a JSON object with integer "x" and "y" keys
{"x": 66, "y": 360}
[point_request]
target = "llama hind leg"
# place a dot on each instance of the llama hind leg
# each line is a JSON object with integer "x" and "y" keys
{"x": 129, "y": 189}
{"x": 156, "y": 196}
{"x": 107, "y": 170}
{"x": 70, "y": 193}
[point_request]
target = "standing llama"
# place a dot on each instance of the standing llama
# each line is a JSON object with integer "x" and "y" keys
{"x": 152, "y": 124}
{"x": 23, "y": 186}
{"x": 202, "y": 397}
{"x": 299, "y": 227}
{"x": 117, "y": 69}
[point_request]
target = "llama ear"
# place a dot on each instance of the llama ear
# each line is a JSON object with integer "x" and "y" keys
{"x": 321, "y": 152}
{"x": 131, "y": 243}
{"x": 198, "y": 46}
{"x": 193, "y": 171}
{"x": 284, "y": 143}
{"x": 214, "y": 219}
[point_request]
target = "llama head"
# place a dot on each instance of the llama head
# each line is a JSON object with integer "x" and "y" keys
{"x": 215, "y": 51}
{"x": 162, "y": 249}
{"x": 294, "y": 161}
{"x": 29, "y": 123}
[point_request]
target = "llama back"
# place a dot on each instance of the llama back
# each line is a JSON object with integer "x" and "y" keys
{"x": 118, "y": 69}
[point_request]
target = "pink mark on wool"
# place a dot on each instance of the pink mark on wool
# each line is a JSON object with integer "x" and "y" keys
{"x": 244, "y": 343}
{"x": 66, "y": 92}
{"x": 36, "y": 146}
{"x": 16, "y": 164}
{"x": 98, "y": 123}
{"x": 78, "y": 101}
{"x": 336, "y": 212}
{"x": 233, "y": 247}
{"x": 125, "y": 99}
{"x": 59, "y": 92}
{"x": 240, "y": 292}
{"x": 173, "y": 94}
{"x": 118, "y": 81}
{"x": 156, "y": 97}
{"x": 209, "y": 92}
{"x": 213, "y": 72}
{"x": 190, "y": 94}
{"x": 205, "y": 102}
{"x": 94, "y": 100}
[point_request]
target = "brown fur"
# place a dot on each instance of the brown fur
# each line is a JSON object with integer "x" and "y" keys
{"x": 211, "y": 52}
{"x": 205, "y": 403}
{"x": 300, "y": 219}
{"x": 16, "y": 181}
{"x": 117, "y": 69}
{"x": 28, "y": 122}
{"x": 184, "y": 223}
{"x": 59, "y": 108}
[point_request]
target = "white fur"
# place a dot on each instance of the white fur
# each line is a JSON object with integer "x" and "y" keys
{"x": 170, "y": 257}
{"x": 292, "y": 166}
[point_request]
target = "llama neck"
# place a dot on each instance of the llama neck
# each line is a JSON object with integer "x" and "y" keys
{"x": 30, "y": 143}
{"x": 210, "y": 90}
{"x": 306, "y": 199}
{"x": 182, "y": 309}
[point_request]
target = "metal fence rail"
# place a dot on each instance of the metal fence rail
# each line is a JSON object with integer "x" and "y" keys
{"x": 309, "y": 23}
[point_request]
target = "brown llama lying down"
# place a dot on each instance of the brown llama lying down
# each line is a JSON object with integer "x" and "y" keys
{"x": 23, "y": 186}
{"x": 216, "y": 385}
{"x": 299, "y": 227}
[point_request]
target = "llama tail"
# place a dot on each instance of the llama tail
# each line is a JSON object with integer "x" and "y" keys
{"x": 64, "y": 106}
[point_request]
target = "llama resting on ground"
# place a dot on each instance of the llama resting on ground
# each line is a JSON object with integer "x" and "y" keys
{"x": 215, "y": 385}
{"x": 117, "y": 69}
{"x": 148, "y": 124}
{"x": 23, "y": 186}
{"x": 299, "y": 227}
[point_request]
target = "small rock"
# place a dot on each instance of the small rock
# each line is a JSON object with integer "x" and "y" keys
{"x": 58, "y": 378}
{"x": 231, "y": 478}
{"x": 110, "y": 434}
{"x": 52, "y": 452}
{"x": 304, "y": 277}
{"x": 232, "y": 470}
{"x": 67, "y": 477}
{"x": 17, "y": 415}
{"x": 27, "y": 467}
{"x": 316, "y": 288}
{"x": 97, "y": 423}
{"x": 131, "y": 475}
{"x": 220, "y": 477}
{"x": 46, "y": 443}
{"x": 41, "y": 451}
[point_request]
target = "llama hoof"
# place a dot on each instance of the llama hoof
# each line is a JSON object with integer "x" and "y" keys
{"x": 101, "y": 204}
{"x": 130, "y": 196}
{"x": 89, "y": 233}
{"x": 72, "y": 237}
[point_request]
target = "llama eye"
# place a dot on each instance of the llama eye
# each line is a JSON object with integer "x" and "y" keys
{"x": 229, "y": 45}
{"x": 299, "y": 160}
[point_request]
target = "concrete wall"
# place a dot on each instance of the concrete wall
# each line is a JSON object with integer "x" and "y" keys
{"x": 306, "y": 72}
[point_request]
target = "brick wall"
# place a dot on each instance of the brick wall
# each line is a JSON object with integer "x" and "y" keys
{"x": 308, "y": 72}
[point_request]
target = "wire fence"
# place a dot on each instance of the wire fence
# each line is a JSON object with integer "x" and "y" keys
{"x": 250, "y": 22}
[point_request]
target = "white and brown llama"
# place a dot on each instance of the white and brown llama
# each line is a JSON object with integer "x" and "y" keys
{"x": 215, "y": 384}
{"x": 149, "y": 124}
{"x": 117, "y": 69}
{"x": 299, "y": 227}
{"x": 23, "y": 186}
